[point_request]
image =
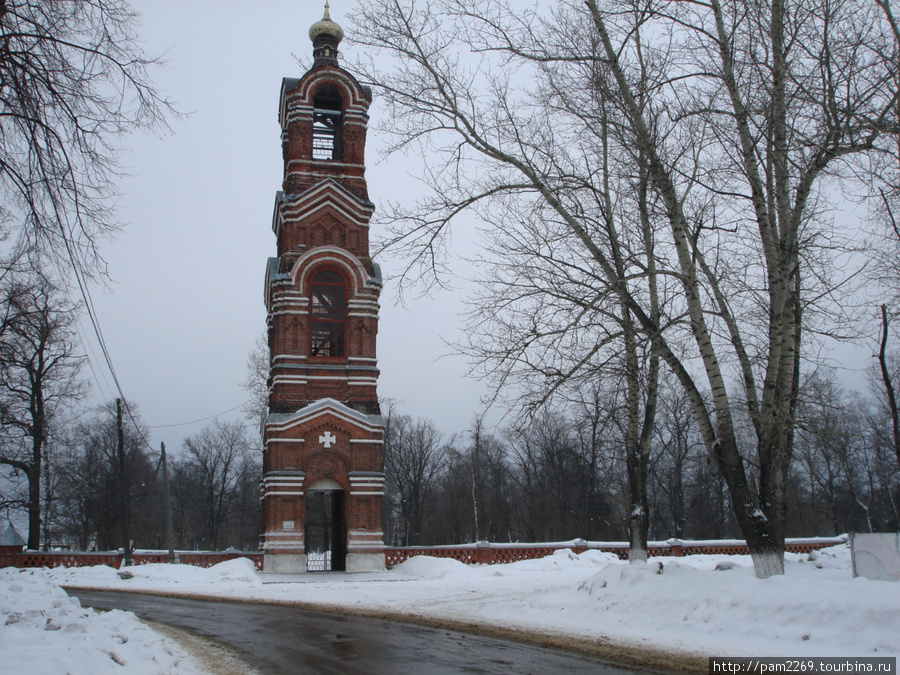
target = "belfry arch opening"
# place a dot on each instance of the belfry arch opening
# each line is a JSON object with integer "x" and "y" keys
{"x": 326, "y": 535}
{"x": 328, "y": 314}
{"x": 327, "y": 123}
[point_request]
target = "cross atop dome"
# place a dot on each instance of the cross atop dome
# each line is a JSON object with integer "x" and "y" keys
{"x": 326, "y": 35}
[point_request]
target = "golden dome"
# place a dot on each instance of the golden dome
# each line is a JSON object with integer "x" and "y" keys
{"x": 326, "y": 27}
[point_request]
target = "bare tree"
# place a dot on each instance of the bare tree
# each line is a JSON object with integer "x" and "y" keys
{"x": 884, "y": 270}
{"x": 677, "y": 449}
{"x": 485, "y": 469}
{"x": 740, "y": 115}
{"x": 89, "y": 506}
{"x": 845, "y": 458}
{"x": 73, "y": 79}
{"x": 256, "y": 384}
{"x": 453, "y": 516}
{"x": 887, "y": 380}
{"x": 595, "y": 424}
{"x": 413, "y": 463}
{"x": 882, "y": 468}
{"x": 218, "y": 458}
{"x": 39, "y": 364}
{"x": 553, "y": 478}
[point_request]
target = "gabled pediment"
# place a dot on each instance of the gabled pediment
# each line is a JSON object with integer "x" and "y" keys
{"x": 323, "y": 408}
{"x": 327, "y": 194}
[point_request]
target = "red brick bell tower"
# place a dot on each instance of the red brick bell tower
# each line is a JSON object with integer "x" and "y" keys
{"x": 322, "y": 471}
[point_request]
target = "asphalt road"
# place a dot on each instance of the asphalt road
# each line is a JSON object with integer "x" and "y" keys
{"x": 278, "y": 639}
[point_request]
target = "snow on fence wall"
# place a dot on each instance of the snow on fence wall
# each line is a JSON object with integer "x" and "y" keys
{"x": 483, "y": 552}
{"x": 488, "y": 553}
{"x": 115, "y": 559}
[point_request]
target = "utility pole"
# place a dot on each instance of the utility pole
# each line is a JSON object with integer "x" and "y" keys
{"x": 168, "y": 502}
{"x": 123, "y": 485}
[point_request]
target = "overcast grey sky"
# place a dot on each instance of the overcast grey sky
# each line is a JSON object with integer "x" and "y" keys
{"x": 187, "y": 300}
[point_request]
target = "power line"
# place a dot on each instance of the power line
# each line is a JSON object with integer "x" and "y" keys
{"x": 95, "y": 323}
{"x": 202, "y": 419}
{"x": 98, "y": 375}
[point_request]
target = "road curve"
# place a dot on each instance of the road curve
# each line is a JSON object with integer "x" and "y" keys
{"x": 280, "y": 639}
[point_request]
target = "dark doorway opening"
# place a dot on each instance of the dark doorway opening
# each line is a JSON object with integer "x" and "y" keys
{"x": 326, "y": 533}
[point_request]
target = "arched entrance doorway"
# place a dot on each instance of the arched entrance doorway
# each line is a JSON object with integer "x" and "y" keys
{"x": 326, "y": 533}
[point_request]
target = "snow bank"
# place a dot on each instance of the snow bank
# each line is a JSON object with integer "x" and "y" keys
{"x": 239, "y": 572}
{"x": 43, "y": 630}
{"x": 715, "y": 602}
{"x": 426, "y": 567}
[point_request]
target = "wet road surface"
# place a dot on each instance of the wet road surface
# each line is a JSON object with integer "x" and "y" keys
{"x": 278, "y": 639}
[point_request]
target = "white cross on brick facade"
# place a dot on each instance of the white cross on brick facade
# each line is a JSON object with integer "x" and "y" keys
{"x": 327, "y": 439}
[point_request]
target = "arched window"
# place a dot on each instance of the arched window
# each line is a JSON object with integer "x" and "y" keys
{"x": 327, "y": 126}
{"x": 328, "y": 314}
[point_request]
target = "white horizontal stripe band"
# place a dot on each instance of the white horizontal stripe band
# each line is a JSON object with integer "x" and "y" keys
{"x": 370, "y": 380}
{"x": 296, "y": 535}
{"x": 330, "y": 163}
{"x": 281, "y": 306}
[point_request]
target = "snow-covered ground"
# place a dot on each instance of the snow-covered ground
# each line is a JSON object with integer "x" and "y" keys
{"x": 45, "y": 632}
{"x": 710, "y": 605}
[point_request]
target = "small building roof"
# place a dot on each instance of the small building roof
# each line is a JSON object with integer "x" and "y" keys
{"x": 11, "y": 537}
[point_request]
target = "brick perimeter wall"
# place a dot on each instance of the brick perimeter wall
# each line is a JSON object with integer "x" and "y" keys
{"x": 81, "y": 559}
{"x": 497, "y": 554}
{"x": 485, "y": 554}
